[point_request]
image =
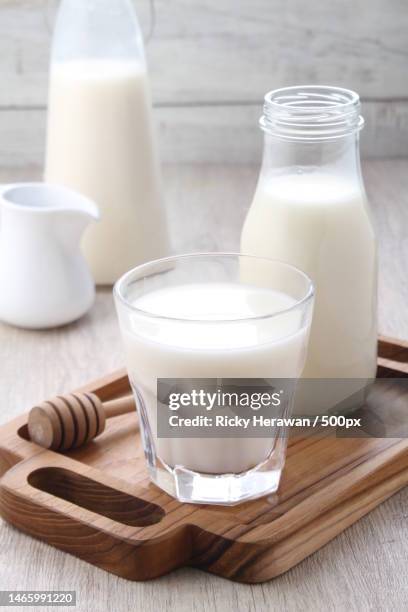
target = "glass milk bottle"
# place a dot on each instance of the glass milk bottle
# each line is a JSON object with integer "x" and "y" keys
{"x": 310, "y": 210}
{"x": 100, "y": 136}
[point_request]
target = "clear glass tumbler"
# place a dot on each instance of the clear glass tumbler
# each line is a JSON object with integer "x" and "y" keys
{"x": 213, "y": 317}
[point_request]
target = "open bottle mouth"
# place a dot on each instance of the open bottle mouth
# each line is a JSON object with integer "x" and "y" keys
{"x": 311, "y": 113}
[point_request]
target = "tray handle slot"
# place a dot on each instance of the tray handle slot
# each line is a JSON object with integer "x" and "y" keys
{"x": 95, "y": 496}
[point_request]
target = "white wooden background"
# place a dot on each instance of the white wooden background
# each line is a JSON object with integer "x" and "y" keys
{"x": 211, "y": 61}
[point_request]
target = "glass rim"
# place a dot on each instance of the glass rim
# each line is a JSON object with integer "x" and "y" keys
{"x": 124, "y": 279}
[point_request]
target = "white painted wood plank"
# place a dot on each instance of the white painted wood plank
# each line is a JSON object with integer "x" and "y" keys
{"x": 218, "y": 134}
{"x": 237, "y": 50}
{"x": 231, "y": 50}
{"x": 225, "y": 54}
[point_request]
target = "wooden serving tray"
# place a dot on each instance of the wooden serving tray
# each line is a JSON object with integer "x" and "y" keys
{"x": 98, "y": 504}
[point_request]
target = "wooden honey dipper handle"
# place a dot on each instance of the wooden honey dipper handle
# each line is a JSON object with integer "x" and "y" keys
{"x": 119, "y": 406}
{"x": 70, "y": 421}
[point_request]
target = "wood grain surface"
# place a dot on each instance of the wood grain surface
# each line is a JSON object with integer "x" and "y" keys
{"x": 362, "y": 570}
{"x": 221, "y": 50}
{"x": 97, "y": 503}
{"x": 205, "y": 134}
{"x": 212, "y": 62}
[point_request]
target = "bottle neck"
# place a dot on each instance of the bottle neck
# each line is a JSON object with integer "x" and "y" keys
{"x": 97, "y": 29}
{"x": 312, "y": 129}
{"x": 339, "y": 156}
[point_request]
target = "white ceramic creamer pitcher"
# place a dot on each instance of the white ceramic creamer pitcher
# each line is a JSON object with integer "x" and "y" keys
{"x": 44, "y": 279}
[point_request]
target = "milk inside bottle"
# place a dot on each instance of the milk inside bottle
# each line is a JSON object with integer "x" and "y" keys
{"x": 310, "y": 210}
{"x": 100, "y": 138}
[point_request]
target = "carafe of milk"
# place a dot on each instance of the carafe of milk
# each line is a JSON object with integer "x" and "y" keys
{"x": 100, "y": 137}
{"x": 310, "y": 210}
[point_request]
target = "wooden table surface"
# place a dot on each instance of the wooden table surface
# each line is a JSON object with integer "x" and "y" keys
{"x": 363, "y": 569}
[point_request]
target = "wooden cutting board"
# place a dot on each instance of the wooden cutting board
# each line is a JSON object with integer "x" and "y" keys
{"x": 97, "y": 502}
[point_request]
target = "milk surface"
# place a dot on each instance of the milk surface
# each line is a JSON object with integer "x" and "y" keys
{"x": 101, "y": 143}
{"x": 320, "y": 224}
{"x": 239, "y": 348}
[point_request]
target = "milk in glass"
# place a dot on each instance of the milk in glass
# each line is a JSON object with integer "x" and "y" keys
{"x": 209, "y": 348}
{"x": 192, "y": 322}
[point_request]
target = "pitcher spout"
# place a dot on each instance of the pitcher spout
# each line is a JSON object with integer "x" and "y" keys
{"x": 75, "y": 213}
{"x": 44, "y": 205}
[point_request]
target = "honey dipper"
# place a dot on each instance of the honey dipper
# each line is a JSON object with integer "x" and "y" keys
{"x": 70, "y": 421}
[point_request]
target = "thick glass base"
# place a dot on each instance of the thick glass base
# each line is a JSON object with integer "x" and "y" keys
{"x": 187, "y": 485}
{"x": 225, "y": 489}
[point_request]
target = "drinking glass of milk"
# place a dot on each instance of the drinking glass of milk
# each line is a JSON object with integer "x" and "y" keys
{"x": 310, "y": 210}
{"x": 100, "y": 137}
{"x": 196, "y": 318}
